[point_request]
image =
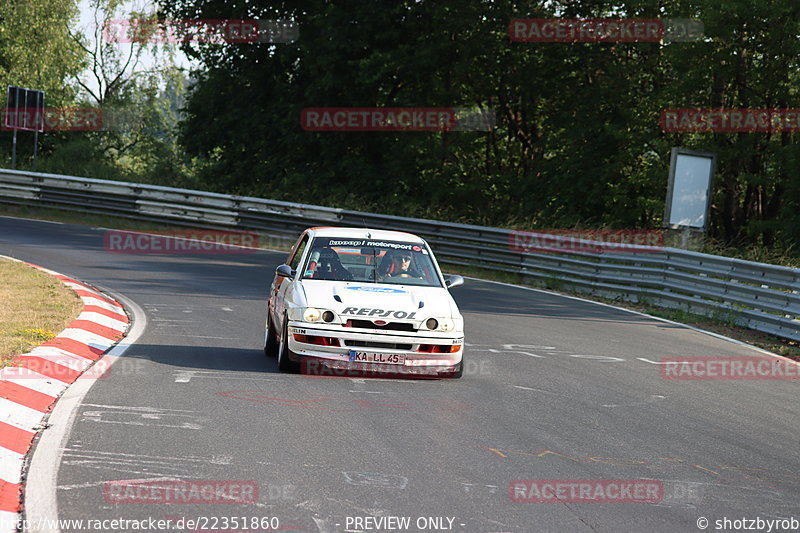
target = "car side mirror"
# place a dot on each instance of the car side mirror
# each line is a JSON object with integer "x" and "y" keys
{"x": 285, "y": 271}
{"x": 451, "y": 282}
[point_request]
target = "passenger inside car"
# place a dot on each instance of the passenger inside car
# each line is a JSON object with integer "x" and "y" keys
{"x": 326, "y": 264}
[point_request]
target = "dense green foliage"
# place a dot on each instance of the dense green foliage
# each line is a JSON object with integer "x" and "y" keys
{"x": 577, "y": 142}
{"x": 578, "y": 139}
{"x": 36, "y": 52}
{"x": 137, "y": 89}
{"x": 35, "y": 47}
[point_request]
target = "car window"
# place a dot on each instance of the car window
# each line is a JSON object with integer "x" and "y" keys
{"x": 294, "y": 262}
{"x": 365, "y": 260}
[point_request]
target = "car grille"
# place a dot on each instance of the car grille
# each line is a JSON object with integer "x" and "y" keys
{"x": 371, "y": 344}
{"x": 393, "y": 326}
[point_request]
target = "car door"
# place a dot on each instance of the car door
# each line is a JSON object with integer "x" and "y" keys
{"x": 282, "y": 287}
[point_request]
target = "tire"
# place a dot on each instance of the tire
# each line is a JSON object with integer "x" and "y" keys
{"x": 459, "y": 370}
{"x": 271, "y": 338}
{"x": 284, "y": 363}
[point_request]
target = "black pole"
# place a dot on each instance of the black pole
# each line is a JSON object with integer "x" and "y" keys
{"x": 14, "y": 151}
{"x": 35, "y": 146}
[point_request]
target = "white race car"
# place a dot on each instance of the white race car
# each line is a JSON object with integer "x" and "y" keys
{"x": 364, "y": 300}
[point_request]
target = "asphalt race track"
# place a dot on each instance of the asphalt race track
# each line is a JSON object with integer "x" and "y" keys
{"x": 554, "y": 389}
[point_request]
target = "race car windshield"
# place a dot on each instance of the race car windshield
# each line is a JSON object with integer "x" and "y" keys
{"x": 371, "y": 261}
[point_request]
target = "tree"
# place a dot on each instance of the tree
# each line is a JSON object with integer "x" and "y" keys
{"x": 36, "y": 52}
{"x": 578, "y": 139}
{"x": 35, "y": 47}
{"x": 138, "y": 88}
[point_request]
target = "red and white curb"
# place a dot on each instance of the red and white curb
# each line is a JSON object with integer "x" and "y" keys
{"x": 30, "y": 387}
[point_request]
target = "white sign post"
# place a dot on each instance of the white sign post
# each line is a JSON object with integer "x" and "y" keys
{"x": 689, "y": 191}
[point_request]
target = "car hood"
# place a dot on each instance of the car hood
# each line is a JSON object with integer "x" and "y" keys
{"x": 380, "y": 300}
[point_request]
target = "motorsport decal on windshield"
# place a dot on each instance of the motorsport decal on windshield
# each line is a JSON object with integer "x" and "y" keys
{"x": 377, "y": 244}
{"x": 376, "y": 289}
{"x": 367, "y": 311}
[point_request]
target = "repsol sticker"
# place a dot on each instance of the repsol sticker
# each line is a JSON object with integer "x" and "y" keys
{"x": 368, "y": 311}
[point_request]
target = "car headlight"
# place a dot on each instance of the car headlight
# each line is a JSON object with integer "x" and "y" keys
{"x": 312, "y": 314}
{"x": 440, "y": 324}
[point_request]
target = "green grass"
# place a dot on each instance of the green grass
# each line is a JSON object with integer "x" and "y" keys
{"x": 760, "y": 254}
{"x": 34, "y": 308}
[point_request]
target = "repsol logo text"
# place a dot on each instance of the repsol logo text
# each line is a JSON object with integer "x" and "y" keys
{"x": 366, "y": 311}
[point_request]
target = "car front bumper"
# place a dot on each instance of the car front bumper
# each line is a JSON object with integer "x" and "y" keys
{"x": 407, "y": 344}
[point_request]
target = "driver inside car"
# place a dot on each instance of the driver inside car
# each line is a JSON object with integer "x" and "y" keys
{"x": 401, "y": 265}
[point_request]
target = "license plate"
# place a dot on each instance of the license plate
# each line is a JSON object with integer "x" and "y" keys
{"x": 373, "y": 357}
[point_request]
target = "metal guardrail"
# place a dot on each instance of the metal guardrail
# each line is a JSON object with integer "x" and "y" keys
{"x": 756, "y": 295}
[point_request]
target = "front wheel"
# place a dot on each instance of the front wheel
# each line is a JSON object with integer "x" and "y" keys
{"x": 459, "y": 371}
{"x": 284, "y": 363}
{"x": 271, "y": 339}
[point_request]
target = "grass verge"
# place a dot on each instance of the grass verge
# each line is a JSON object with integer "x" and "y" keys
{"x": 34, "y": 308}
